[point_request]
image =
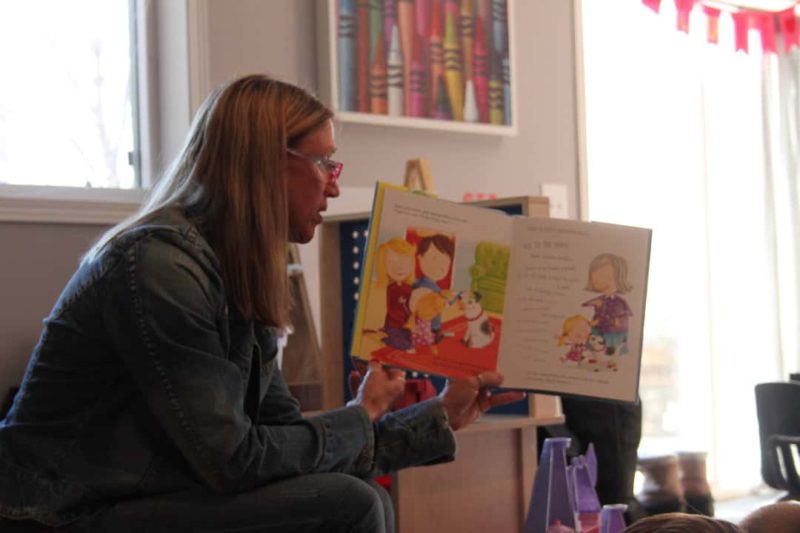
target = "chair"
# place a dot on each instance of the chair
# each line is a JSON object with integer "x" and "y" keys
{"x": 489, "y": 274}
{"x": 778, "y": 410}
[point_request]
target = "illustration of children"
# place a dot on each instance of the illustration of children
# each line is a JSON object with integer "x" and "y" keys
{"x": 395, "y": 269}
{"x": 434, "y": 257}
{"x": 575, "y": 333}
{"x": 608, "y": 276}
{"x": 428, "y": 307}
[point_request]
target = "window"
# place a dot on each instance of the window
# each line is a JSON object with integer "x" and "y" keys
{"x": 67, "y": 100}
{"x": 675, "y": 142}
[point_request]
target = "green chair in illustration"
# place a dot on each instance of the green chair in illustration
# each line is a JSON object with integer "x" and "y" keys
{"x": 489, "y": 273}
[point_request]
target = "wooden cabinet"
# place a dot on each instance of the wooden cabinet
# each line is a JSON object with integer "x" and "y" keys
{"x": 488, "y": 486}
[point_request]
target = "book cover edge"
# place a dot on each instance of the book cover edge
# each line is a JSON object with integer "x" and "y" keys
{"x": 367, "y": 265}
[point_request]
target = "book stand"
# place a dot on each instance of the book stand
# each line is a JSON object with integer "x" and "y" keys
{"x": 418, "y": 175}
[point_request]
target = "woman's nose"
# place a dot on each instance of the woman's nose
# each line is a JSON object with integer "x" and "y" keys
{"x": 332, "y": 190}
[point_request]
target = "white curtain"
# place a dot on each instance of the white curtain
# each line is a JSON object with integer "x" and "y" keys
{"x": 782, "y": 135}
{"x": 693, "y": 140}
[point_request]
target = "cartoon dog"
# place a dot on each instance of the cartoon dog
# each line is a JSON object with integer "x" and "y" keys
{"x": 596, "y": 344}
{"x": 479, "y": 331}
{"x": 597, "y": 353}
{"x": 427, "y": 308}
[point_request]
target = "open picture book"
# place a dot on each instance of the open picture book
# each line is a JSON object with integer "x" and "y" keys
{"x": 451, "y": 289}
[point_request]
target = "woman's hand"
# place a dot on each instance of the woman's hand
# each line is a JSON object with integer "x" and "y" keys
{"x": 378, "y": 390}
{"x": 465, "y": 400}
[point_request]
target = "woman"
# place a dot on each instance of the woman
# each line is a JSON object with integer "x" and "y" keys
{"x": 608, "y": 276}
{"x": 152, "y": 400}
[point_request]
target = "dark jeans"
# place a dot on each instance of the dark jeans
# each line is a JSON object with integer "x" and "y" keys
{"x": 315, "y": 502}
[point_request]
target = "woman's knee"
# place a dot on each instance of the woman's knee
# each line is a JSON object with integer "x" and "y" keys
{"x": 360, "y": 503}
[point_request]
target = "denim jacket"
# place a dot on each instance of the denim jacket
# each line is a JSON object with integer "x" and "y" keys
{"x": 142, "y": 383}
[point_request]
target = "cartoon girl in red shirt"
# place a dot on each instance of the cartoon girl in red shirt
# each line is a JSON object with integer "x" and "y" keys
{"x": 395, "y": 268}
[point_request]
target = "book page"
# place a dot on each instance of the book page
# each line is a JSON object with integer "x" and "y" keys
{"x": 420, "y": 305}
{"x": 575, "y": 308}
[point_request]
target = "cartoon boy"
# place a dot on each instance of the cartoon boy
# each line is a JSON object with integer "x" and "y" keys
{"x": 395, "y": 266}
{"x": 608, "y": 275}
{"x": 434, "y": 257}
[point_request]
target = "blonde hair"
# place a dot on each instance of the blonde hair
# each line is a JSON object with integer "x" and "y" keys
{"x": 229, "y": 178}
{"x": 569, "y": 323}
{"x": 399, "y": 246}
{"x": 620, "y": 266}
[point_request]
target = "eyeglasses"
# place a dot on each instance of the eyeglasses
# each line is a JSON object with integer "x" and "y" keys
{"x": 328, "y": 166}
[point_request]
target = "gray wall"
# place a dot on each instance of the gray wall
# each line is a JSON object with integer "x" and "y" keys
{"x": 278, "y": 37}
{"x": 38, "y": 260}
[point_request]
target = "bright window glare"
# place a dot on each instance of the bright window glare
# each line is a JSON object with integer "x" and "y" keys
{"x": 65, "y": 99}
{"x": 673, "y": 143}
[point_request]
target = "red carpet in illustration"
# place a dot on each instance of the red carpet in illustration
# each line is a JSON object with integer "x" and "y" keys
{"x": 451, "y": 358}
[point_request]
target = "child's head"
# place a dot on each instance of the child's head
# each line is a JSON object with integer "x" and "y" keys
{"x": 395, "y": 261}
{"x": 575, "y": 330}
{"x": 608, "y": 274}
{"x": 430, "y": 305}
{"x": 435, "y": 254}
{"x": 779, "y": 517}
{"x": 681, "y": 523}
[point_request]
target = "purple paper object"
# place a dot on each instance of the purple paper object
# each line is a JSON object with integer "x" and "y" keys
{"x": 612, "y": 518}
{"x": 564, "y": 499}
{"x": 551, "y": 505}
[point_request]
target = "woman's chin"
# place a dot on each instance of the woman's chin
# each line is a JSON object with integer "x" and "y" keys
{"x": 303, "y": 235}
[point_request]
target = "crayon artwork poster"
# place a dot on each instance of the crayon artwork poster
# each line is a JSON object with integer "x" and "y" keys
{"x": 420, "y": 305}
{"x": 434, "y": 59}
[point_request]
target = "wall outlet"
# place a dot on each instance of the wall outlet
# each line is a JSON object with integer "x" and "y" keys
{"x": 559, "y": 201}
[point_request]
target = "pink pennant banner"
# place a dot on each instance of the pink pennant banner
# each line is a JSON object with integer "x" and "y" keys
{"x": 766, "y": 27}
{"x": 741, "y": 25}
{"x": 768, "y": 24}
{"x": 712, "y": 24}
{"x": 684, "y": 8}
{"x": 788, "y": 25}
{"x": 652, "y": 4}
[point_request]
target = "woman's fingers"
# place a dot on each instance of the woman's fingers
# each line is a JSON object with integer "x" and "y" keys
{"x": 489, "y": 379}
{"x": 395, "y": 373}
{"x": 504, "y": 398}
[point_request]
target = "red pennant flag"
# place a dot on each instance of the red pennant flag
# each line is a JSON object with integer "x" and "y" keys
{"x": 652, "y": 4}
{"x": 788, "y": 24}
{"x": 684, "y": 10}
{"x": 766, "y": 26}
{"x": 712, "y": 24}
{"x": 741, "y": 24}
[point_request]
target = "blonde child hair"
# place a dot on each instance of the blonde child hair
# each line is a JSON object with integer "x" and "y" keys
{"x": 399, "y": 246}
{"x": 570, "y": 323}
